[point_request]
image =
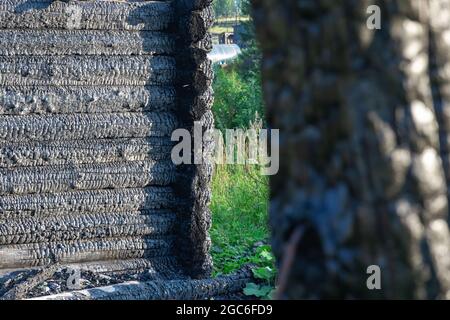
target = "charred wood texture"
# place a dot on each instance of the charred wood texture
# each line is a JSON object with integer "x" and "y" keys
{"x": 364, "y": 139}
{"x": 95, "y": 15}
{"x": 90, "y": 93}
{"x": 163, "y": 290}
{"x": 194, "y": 81}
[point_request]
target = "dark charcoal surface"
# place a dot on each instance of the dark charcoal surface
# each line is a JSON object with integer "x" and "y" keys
{"x": 60, "y": 281}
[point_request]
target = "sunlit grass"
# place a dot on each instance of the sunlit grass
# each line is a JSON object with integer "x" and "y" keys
{"x": 239, "y": 208}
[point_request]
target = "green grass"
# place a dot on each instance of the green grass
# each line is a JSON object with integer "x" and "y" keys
{"x": 240, "y": 194}
{"x": 239, "y": 209}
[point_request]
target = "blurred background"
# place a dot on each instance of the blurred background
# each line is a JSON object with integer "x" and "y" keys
{"x": 240, "y": 232}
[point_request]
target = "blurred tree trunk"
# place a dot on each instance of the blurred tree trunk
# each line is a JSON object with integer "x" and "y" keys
{"x": 364, "y": 118}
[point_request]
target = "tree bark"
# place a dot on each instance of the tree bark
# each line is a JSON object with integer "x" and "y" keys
{"x": 364, "y": 118}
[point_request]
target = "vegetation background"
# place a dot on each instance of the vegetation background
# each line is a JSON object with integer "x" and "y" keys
{"x": 240, "y": 232}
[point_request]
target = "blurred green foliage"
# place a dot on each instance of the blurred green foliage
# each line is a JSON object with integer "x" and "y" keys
{"x": 237, "y": 87}
{"x": 240, "y": 232}
{"x": 238, "y": 101}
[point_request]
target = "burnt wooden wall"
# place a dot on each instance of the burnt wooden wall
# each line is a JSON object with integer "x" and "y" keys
{"x": 90, "y": 92}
